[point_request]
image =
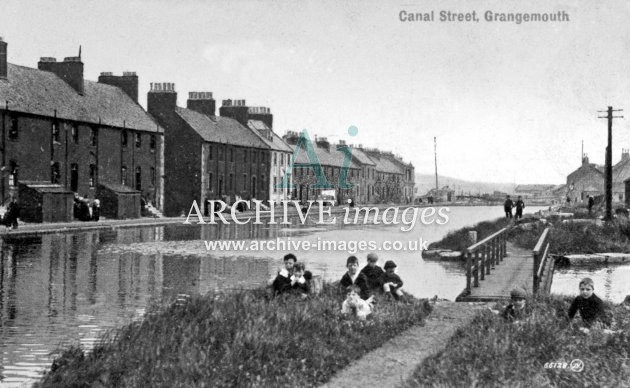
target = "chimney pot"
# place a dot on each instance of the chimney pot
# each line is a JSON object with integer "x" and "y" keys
{"x": 106, "y": 73}
{"x": 129, "y": 74}
{"x": 48, "y": 59}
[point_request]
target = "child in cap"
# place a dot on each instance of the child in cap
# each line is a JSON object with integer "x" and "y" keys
{"x": 354, "y": 278}
{"x": 516, "y": 309}
{"x": 590, "y": 306}
{"x": 282, "y": 282}
{"x": 373, "y": 272}
{"x": 299, "y": 284}
{"x": 392, "y": 283}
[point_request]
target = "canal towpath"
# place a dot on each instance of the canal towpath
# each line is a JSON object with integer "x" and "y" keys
{"x": 393, "y": 363}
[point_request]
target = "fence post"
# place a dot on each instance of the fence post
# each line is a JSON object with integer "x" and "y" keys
{"x": 468, "y": 272}
{"x": 535, "y": 277}
{"x": 483, "y": 263}
{"x": 504, "y": 240}
{"x": 476, "y": 269}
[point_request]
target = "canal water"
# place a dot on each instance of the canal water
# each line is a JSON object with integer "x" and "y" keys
{"x": 61, "y": 289}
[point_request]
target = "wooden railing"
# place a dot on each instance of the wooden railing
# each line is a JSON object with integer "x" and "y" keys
{"x": 483, "y": 256}
{"x": 541, "y": 259}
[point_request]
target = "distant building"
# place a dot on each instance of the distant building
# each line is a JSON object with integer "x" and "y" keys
{"x": 586, "y": 180}
{"x": 59, "y": 128}
{"x": 207, "y": 157}
{"x": 445, "y": 194}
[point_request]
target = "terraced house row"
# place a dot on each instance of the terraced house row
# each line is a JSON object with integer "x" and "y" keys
{"x": 64, "y": 136}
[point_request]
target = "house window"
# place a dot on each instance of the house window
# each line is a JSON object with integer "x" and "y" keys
{"x": 275, "y": 159}
{"x": 123, "y": 175}
{"x": 210, "y": 152}
{"x": 13, "y": 128}
{"x": 245, "y": 156}
{"x": 152, "y": 176}
{"x": 74, "y": 132}
{"x": 152, "y": 142}
{"x": 138, "y": 178}
{"x": 220, "y": 152}
{"x": 262, "y": 182}
{"x": 54, "y": 172}
{"x": 94, "y": 137}
{"x": 92, "y": 175}
{"x": 231, "y": 182}
{"x": 123, "y": 138}
{"x": 55, "y": 132}
{"x": 244, "y": 181}
{"x": 138, "y": 140}
{"x": 231, "y": 154}
{"x": 13, "y": 174}
{"x": 210, "y": 178}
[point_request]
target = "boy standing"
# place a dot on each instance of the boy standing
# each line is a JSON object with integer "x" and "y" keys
{"x": 392, "y": 283}
{"x": 354, "y": 278}
{"x": 373, "y": 272}
{"x": 282, "y": 282}
{"x": 589, "y": 305}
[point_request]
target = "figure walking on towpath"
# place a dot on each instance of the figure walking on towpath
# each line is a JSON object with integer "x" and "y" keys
{"x": 520, "y": 205}
{"x": 507, "y": 206}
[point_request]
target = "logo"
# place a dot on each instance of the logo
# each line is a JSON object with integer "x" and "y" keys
{"x": 314, "y": 164}
{"x": 577, "y": 365}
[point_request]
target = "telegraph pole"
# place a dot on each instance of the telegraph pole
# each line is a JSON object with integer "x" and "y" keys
{"x": 608, "y": 175}
{"x": 436, "y": 175}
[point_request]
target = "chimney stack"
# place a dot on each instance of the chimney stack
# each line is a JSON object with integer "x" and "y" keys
{"x": 585, "y": 160}
{"x": 625, "y": 154}
{"x": 291, "y": 137}
{"x": 128, "y": 82}
{"x": 201, "y": 102}
{"x": 3, "y": 59}
{"x": 261, "y": 113}
{"x": 70, "y": 70}
{"x": 236, "y": 109}
{"x": 161, "y": 100}
{"x": 322, "y": 142}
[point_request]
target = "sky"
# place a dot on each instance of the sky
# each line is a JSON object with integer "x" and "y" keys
{"x": 506, "y": 102}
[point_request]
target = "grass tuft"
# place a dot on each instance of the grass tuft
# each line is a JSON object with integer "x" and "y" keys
{"x": 238, "y": 339}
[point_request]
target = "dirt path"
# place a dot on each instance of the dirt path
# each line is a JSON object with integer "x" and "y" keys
{"x": 394, "y": 362}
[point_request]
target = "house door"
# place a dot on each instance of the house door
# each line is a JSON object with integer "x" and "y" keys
{"x": 74, "y": 177}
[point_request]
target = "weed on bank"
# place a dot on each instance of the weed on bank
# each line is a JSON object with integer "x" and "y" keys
{"x": 238, "y": 339}
{"x": 538, "y": 352}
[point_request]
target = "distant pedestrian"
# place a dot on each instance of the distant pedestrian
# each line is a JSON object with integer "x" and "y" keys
{"x": 591, "y": 203}
{"x": 96, "y": 210}
{"x": 13, "y": 212}
{"x": 520, "y": 205}
{"x": 507, "y": 206}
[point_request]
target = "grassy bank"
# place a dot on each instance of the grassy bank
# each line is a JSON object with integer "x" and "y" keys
{"x": 567, "y": 237}
{"x": 492, "y": 352}
{"x": 240, "y": 339}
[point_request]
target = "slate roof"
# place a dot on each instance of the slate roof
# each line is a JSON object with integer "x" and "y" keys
{"x": 385, "y": 165}
{"x": 361, "y": 157}
{"x": 41, "y": 92}
{"x": 276, "y": 143}
{"x": 218, "y": 129}
{"x": 327, "y": 157}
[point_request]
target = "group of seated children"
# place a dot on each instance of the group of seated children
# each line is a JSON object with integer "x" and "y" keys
{"x": 293, "y": 278}
{"x": 371, "y": 279}
{"x": 590, "y": 306}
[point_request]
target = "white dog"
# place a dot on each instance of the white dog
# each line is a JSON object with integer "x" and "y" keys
{"x": 356, "y": 306}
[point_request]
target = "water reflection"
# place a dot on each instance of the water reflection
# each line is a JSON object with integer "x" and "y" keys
{"x": 611, "y": 281}
{"x": 58, "y": 289}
